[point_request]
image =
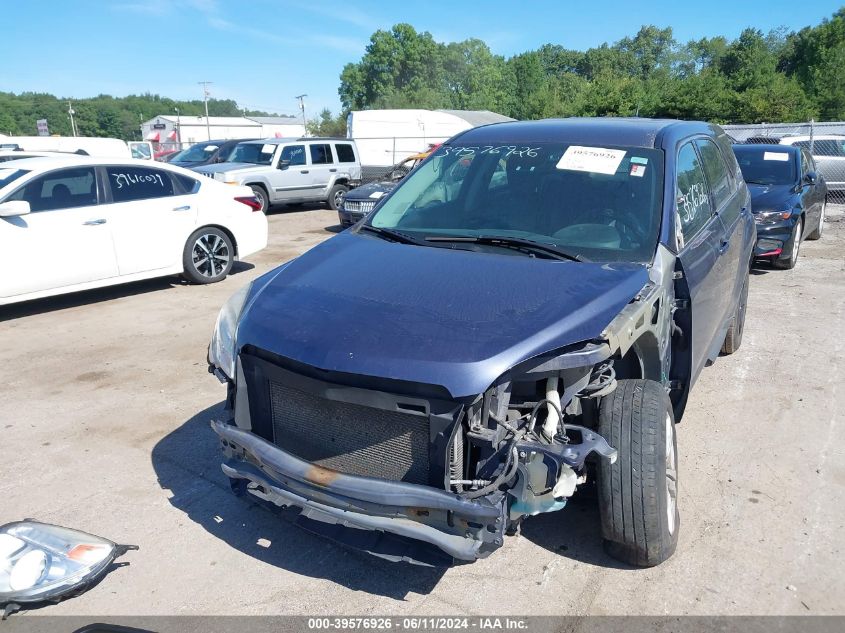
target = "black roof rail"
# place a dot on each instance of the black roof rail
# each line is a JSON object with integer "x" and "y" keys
{"x": 323, "y": 138}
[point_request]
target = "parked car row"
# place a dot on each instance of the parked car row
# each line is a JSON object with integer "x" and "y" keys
{"x": 522, "y": 311}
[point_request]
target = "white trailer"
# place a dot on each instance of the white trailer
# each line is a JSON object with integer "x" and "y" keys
{"x": 385, "y": 137}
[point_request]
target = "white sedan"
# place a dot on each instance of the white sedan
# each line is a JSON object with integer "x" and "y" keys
{"x": 75, "y": 223}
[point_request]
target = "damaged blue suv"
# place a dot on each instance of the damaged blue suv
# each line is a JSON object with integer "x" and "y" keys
{"x": 525, "y": 313}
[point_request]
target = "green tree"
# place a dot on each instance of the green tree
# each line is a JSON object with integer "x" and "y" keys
{"x": 327, "y": 125}
{"x": 815, "y": 57}
{"x": 401, "y": 68}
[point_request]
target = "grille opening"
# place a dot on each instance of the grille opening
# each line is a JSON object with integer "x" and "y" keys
{"x": 413, "y": 408}
{"x": 351, "y": 438}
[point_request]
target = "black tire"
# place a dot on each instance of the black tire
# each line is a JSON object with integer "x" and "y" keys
{"x": 208, "y": 256}
{"x": 634, "y": 493}
{"x": 789, "y": 262}
{"x": 733, "y": 337}
{"x": 817, "y": 233}
{"x": 336, "y": 196}
{"x": 261, "y": 193}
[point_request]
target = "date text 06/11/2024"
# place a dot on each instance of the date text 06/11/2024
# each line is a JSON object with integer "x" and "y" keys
{"x": 417, "y": 624}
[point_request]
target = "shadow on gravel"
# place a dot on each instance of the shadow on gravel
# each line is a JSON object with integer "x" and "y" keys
{"x": 187, "y": 462}
{"x": 762, "y": 268}
{"x": 573, "y": 533}
{"x": 86, "y": 297}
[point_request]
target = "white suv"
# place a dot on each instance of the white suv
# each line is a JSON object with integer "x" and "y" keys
{"x": 292, "y": 170}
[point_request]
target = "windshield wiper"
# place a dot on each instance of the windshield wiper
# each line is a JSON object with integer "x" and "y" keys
{"x": 517, "y": 243}
{"x": 389, "y": 234}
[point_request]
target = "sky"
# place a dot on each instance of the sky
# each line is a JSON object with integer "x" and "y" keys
{"x": 263, "y": 53}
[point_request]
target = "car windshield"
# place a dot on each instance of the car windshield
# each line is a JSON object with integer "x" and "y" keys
{"x": 254, "y": 153}
{"x": 10, "y": 175}
{"x": 196, "y": 153}
{"x": 766, "y": 166}
{"x": 602, "y": 203}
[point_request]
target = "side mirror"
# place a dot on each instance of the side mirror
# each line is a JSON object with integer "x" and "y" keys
{"x": 284, "y": 164}
{"x": 14, "y": 208}
{"x": 810, "y": 178}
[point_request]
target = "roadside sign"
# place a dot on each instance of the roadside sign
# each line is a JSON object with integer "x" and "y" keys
{"x": 43, "y": 130}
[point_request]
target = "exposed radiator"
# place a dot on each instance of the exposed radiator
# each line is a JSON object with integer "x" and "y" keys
{"x": 351, "y": 438}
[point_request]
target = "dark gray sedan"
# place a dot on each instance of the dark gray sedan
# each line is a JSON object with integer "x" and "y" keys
{"x": 787, "y": 199}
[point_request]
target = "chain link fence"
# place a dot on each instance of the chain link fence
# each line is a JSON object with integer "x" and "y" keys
{"x": 825, "y": 141}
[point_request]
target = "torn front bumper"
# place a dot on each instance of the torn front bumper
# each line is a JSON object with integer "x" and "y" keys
{"x": 404, "y": 517}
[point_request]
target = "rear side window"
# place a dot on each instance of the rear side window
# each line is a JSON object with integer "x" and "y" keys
{"x": 321, "y": 154}
{"x": 691, "y": 193}
{"x": 61, "y": 189}
{"x": 716, "y": 171}
{"x": 185, "y": 184}
{"x": 130, "y": 183}
{"x": 345, "y": 153}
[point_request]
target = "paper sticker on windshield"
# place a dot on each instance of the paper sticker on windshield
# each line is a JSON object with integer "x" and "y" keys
{"x": 639, "y": 160}
{"x": 376, "y": 194}
{"x": 210, "y": 148}
{"x": 638, "y": 170}
{"x": 783, "y": 156}
{"x": 597, "y": 160}
{"x": 268, "y": 149}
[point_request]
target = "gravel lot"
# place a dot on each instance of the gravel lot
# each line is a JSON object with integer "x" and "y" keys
{"x": 104, "y": 414}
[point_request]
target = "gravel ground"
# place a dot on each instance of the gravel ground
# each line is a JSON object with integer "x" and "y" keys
{"x": 104, "y": 414}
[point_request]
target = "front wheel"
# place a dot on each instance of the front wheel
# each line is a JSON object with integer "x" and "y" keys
{"x": 336, "y": 196}
{"x": 260, "y": 194}
{"x": 208, "y": 256}
{"x": 815, "y": 235}
{"x": 638, "y": 494}
{"x": 792, "y": 258}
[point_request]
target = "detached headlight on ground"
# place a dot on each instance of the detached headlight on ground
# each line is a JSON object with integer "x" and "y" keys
{"x": 42, "y": 562}
{"x": 221, "y": 352}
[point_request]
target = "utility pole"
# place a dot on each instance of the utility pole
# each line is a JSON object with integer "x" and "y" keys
{"x": 205, "y": 85}
{"x": 178, "y": 128}
{"x": 71, "y": 112}
{"x": 302, "y": 107}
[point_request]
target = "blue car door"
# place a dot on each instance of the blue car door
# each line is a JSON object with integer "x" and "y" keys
{"x": 700, "y": 237}
{"x": 733, "y": 253}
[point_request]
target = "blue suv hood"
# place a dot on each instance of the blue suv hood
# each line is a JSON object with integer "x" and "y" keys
{"x": 358, "y": 304}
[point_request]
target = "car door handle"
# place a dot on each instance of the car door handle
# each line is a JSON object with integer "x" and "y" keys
{"x": 723, "y": 246}
{"x": 186, "y": 207}
{"x": 94, "y": 222}
{"x": 333, "y": 170}
{"x": 304, "y": 171}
